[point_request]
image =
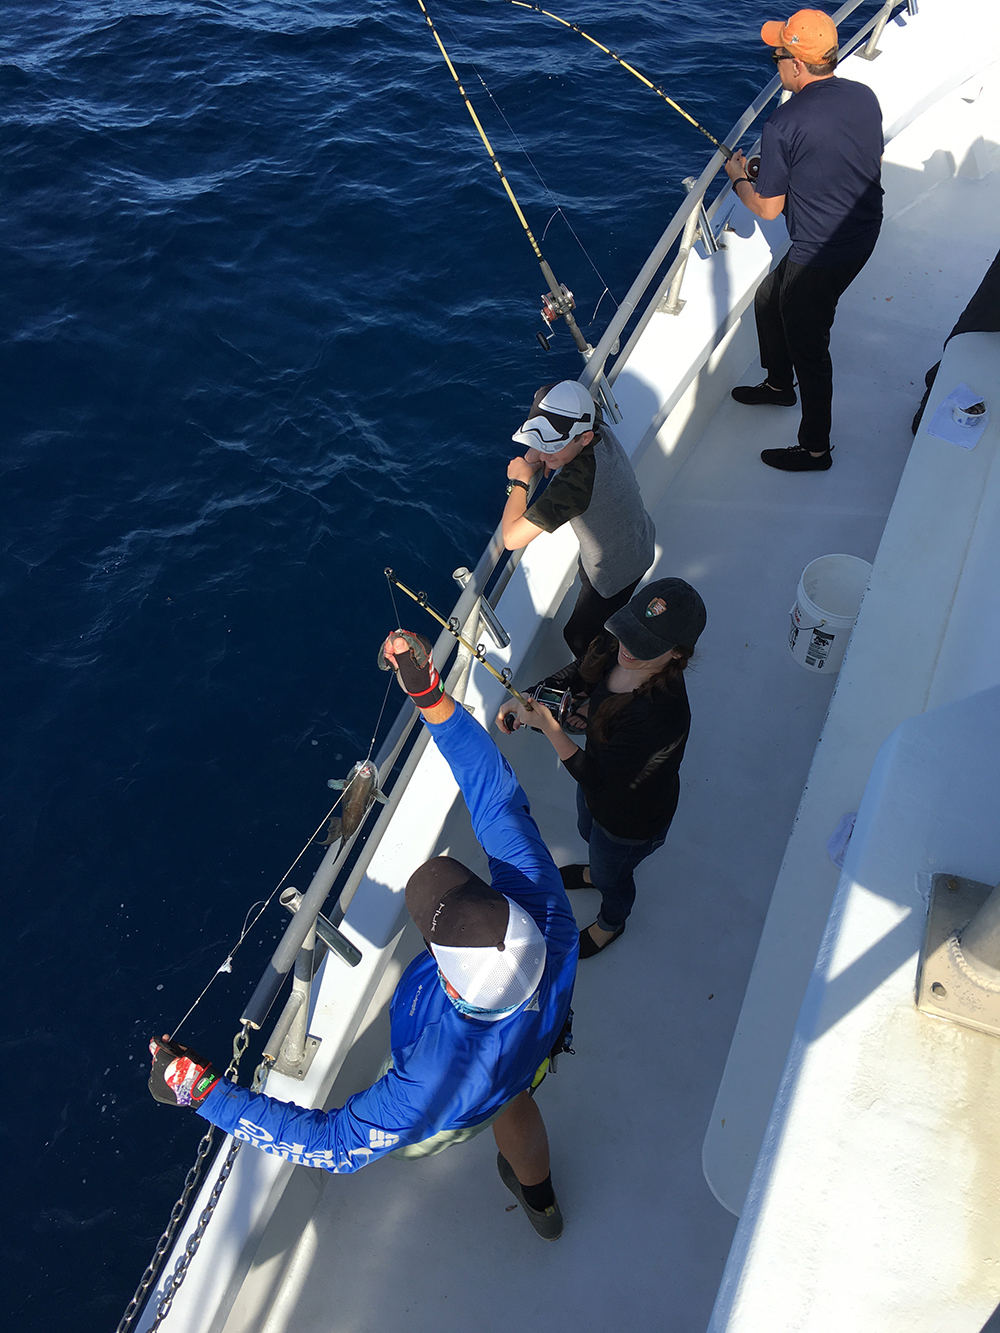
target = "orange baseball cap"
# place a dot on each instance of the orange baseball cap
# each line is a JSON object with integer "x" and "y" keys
{"x": 807, "y": 35}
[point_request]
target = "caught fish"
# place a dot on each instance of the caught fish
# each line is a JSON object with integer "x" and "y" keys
{"x": 360, "y": 789}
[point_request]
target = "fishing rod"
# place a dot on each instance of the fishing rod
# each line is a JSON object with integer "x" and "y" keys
{"x": 558, "y": 302}
{"x": 452, "y": 627}
{"x": 723, "y": 149}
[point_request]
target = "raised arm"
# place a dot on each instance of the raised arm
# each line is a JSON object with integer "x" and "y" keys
{"x": 497, "y": 805}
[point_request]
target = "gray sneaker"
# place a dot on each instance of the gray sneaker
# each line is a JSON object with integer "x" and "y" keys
{"x": 549, "y": 1222}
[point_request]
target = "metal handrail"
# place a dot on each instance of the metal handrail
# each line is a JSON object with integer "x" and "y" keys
{"x": 695, "y": 200}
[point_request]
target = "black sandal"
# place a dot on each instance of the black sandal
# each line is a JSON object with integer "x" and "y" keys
{"x": 588, "y": 946}
{"x": 572, "y": 877}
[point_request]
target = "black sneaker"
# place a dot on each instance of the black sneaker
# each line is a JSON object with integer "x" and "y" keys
{"x": 762, "y": 395}
{"x": 796, "y": 459}
{"x": 549, "y": 1221}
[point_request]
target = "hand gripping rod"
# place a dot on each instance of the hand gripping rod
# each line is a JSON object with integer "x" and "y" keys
{"x": 451, "y": 626}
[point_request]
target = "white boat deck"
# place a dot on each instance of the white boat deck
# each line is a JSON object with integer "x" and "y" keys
{"x": 434, "y": 1247}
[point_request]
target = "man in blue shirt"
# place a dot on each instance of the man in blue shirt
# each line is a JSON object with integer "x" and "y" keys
{"x": 474, "y": 1018}
{"x": 820, "y": 165}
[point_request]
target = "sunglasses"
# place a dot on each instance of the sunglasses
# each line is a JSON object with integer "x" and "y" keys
{"x": 777, "y": 58}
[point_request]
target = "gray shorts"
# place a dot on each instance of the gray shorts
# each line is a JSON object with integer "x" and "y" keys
{"x": 445, "y": 1138}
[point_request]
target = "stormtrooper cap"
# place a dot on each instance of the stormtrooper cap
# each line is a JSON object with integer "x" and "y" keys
{"x": 559, "y": 413}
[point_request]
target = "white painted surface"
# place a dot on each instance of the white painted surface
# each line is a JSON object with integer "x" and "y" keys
{"x": 925, "y": 286}
{"x": 874, "y": 1202}
{"x": 946, "y": 500}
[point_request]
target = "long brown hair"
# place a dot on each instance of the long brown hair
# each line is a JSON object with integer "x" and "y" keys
{"x": 595, "y": 663}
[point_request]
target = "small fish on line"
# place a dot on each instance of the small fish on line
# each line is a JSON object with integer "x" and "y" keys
{"x": 360, "y": 789}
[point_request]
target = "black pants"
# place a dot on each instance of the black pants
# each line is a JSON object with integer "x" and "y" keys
{"x": 590, "y": 613}
{"x": 795, "y": 306}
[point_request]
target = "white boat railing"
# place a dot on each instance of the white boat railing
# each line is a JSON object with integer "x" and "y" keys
{"x": 694, "y": 207}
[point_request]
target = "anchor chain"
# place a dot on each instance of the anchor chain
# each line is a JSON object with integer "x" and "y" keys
{"x": 179, "y": 1211}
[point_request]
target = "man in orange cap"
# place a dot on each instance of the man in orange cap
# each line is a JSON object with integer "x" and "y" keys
{"x": 820, "y": 165}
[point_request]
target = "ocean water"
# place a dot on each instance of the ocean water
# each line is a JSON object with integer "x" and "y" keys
{"x": 268, "y": 321}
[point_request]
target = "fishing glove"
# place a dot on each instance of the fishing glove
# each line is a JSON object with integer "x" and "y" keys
{"x": 180, "y": 1077}
{"x": 415, "y": 668}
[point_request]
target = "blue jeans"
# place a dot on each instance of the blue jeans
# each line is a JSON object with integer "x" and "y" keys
{"x": 612, "y": 861}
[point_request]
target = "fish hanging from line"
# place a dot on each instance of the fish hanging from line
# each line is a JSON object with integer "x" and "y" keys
{"x": 361, "y": 791}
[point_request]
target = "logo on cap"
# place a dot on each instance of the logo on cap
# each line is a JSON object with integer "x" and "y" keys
{"x": 656, "y": 607}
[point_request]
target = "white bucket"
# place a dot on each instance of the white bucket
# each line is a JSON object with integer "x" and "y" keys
{"x": 826, "y": 607}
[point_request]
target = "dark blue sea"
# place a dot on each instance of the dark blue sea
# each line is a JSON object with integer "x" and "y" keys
{"x": 267, "y": 324}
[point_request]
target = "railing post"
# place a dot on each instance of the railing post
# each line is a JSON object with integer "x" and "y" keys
{"x": 298, "y": 1048}
{"x": 696, "y": 224}
{"x": 980, "y": 940}
{"x": 871, "y": 47}
{"x": 958, "y": 977}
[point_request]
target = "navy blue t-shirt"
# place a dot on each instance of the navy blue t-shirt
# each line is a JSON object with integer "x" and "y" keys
{"x": 823, "y": 151}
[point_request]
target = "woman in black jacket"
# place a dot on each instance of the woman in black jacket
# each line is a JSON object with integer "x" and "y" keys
{"x": 630, "y": 688}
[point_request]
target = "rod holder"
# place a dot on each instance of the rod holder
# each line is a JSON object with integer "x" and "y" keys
{"x": 325, "y": 929}
{"x": 488, "y": 617}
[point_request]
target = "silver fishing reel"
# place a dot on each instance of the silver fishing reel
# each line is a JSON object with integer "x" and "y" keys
{"x": 558, "y": 702}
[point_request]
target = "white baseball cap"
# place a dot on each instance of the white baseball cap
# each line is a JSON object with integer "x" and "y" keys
{"x": 559, "y": 413}
{"x": 497, "y": 981}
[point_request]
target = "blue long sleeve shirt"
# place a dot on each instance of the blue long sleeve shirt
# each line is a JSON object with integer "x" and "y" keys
{"x": 449, "y": 1071}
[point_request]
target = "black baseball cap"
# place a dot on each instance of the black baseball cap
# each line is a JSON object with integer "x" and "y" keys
{"x": 453, "y": 907}
{"x": 664, "y": 614}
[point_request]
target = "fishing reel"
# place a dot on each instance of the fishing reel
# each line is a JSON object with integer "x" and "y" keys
{"x": 554, "y": 307}
{"x": 558, "y": 702}
{"x": 753, "y": 167}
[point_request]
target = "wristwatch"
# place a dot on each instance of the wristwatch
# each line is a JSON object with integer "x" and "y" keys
{"x": 512, "y": 484}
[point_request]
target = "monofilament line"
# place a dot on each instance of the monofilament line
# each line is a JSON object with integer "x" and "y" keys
{"x": 226, "y": 965}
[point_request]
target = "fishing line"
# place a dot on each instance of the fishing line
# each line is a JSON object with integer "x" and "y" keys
{"x": 560, "y": 211}
{"x": 655, "y": 87}
{"x": 227, "y": 964}
{"x": 560, "y": 301}
{"x": 541, "y": 180}
{"x": 385, "y": 700}
{"x": 248, "y": 923}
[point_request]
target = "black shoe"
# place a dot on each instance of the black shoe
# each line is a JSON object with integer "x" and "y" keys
{"x": 796, "y": 459}
{"x": 549, "y": 1221}
{"x": 572, "y": 877}
{"x": 588, "y": 946}
{"x": 762, "y": 395}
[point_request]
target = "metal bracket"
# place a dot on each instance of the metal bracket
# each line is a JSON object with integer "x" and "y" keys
{"x": 298, "y": 1069}
{"x": 947, "y": 986}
